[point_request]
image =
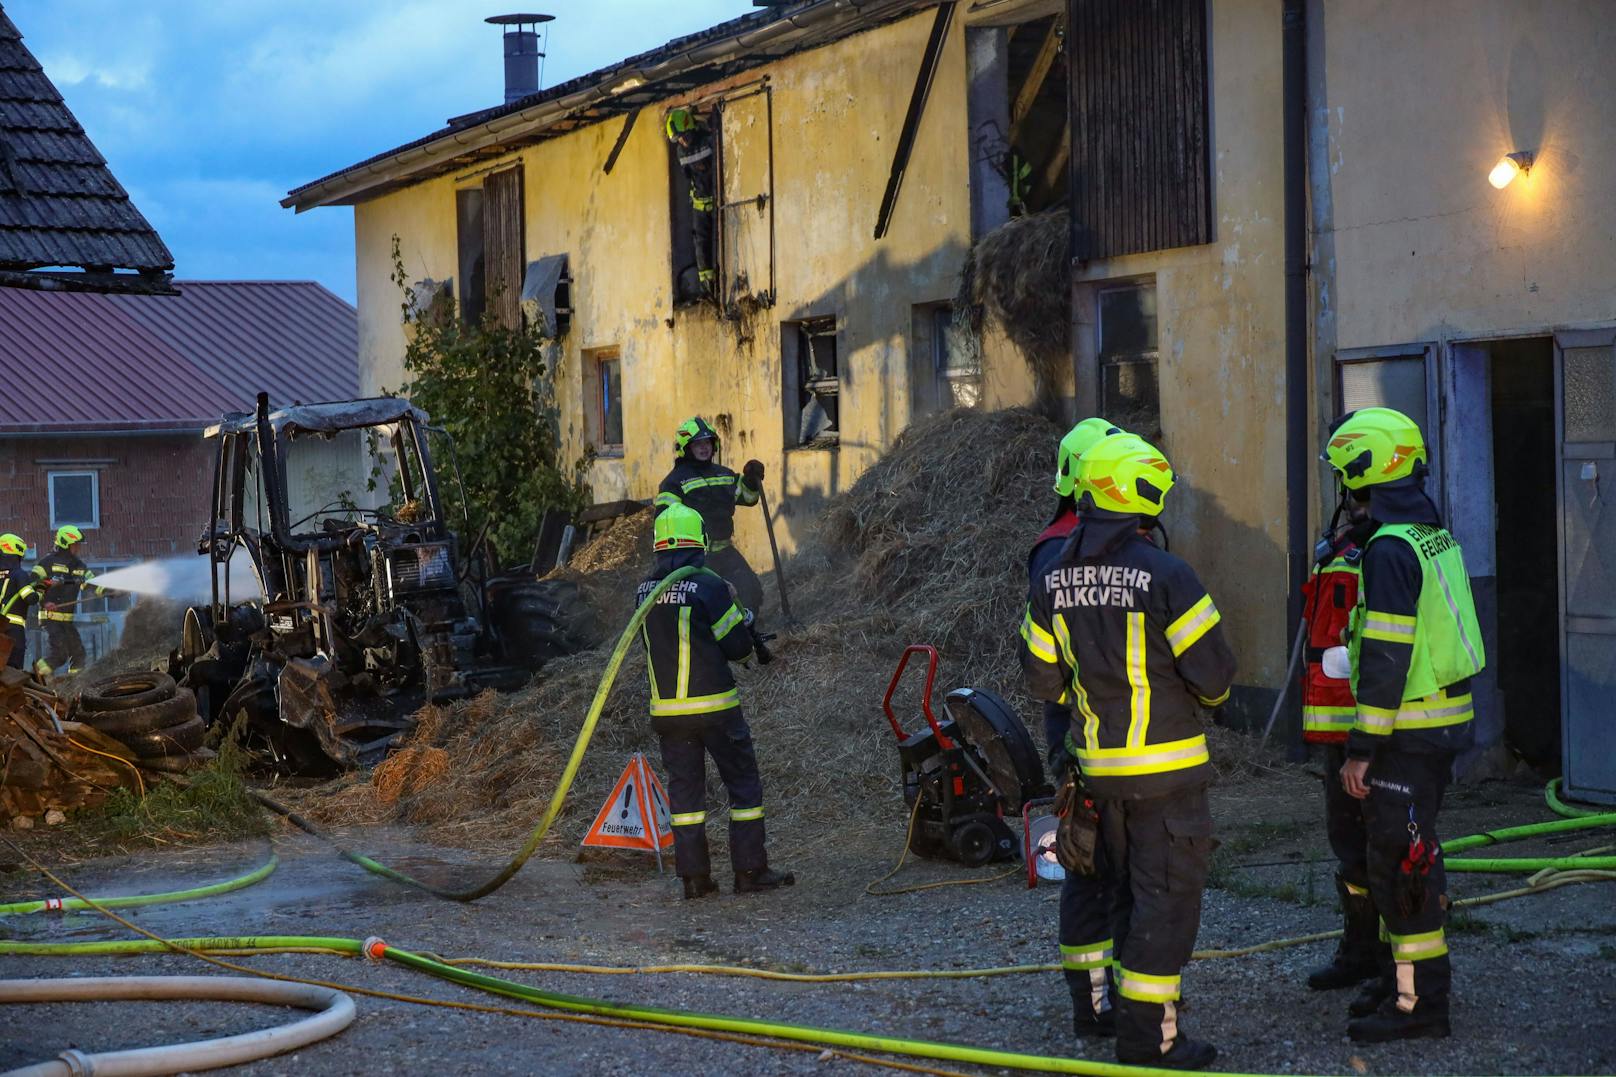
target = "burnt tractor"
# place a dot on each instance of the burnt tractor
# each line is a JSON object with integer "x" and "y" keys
{"x": 342, "y": 600}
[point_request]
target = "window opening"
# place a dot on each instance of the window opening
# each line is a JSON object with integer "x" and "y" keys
{"x": 1130, "y": 394}
{"x": 75, "y": 499}
{"x": 492, "y": 248}
{"x": 815, "y": 366}
{"x": 693, "y": 148}
{"x": 603, "y": 395}
{"x": 469, "y": 232}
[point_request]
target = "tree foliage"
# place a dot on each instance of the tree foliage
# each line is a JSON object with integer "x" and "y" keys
{"x": 485, "y": 386}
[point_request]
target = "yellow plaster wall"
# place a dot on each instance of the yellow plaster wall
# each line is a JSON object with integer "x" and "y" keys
{"x": 837, "y": 115}
{"x": 1221, "y": 335}
{"x": 1425, "y": 247}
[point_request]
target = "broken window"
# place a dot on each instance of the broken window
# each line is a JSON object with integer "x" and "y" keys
{"x": 1130, "y": 395}
{"x": 492, "y": 248}
{"x": 945, "y": 366}
{"x": 603, "y": 400}
{"x": 813, "y": 371}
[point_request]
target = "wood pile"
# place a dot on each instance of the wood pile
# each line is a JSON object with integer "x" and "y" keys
{"x": 48, "y": 763}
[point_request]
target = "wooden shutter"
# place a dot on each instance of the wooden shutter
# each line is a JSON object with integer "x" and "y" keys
{"x": 502, "y": 241}
{"x": 1140, "y": 171}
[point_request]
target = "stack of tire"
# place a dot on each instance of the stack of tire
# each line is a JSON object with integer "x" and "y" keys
{"x": 149, "y": 714}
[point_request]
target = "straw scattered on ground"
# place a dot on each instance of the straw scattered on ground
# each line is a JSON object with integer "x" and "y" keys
{"x": 929, "y": 546}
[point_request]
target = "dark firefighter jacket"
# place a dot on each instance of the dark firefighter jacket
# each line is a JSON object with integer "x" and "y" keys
{"x": 712, "y": 490}
{"x": 696, "y": 159}
{"x": 691, "y": 635}
{"x": 61, "y": 574}
{"x": 1129, "y": 635}
{"x": 1057, "y": 715}
{"x": 1392, "y": 580}
{"x": 17, "y": 593}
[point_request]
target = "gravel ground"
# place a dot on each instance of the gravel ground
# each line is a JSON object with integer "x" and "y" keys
{"x": 1535, "y": 979}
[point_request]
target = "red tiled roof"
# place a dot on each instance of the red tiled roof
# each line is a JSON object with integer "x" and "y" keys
{"x": 81, "y": 361}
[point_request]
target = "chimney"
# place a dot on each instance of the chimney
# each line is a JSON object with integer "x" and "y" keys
{"x": 523, "y": 52}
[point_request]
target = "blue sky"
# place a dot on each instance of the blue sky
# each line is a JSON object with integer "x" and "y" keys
{"x": 209, "y": 111}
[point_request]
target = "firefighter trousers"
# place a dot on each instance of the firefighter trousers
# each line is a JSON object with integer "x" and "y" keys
{"x": 702, "y": 228}
{"x": 1405, "y": 795}
{"x": 686, "y": 743}
{"x": 19, "y": 645}
{"x": 1087, "y": 906}
{"x": 66, "y": 649}
{"x": 1347, "y": 828}
{"x": 1160, "y": 849}
{"x": 729, "y": 563}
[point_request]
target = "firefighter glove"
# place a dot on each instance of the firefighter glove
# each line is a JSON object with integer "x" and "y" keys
{"x": 1079, "y": 831}
{"x": 753, "y": 473}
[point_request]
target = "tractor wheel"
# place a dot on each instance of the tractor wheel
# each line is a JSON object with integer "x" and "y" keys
{"x": 537, "y": 620}
{"x": 170, "y": 712}
{"x": 126, "y": 691}
{"x": 178, "y": 764}
{"x": 180, "y": 739}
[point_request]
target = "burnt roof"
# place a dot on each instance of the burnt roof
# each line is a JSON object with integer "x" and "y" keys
{"x": 683, "y": 64}
{"x": 81, "y": 362}
{"x": 60, "y": 206}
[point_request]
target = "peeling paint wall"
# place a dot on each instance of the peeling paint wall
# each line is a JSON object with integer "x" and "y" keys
{"x": 1423, "y": 99}
{"x": 837, "y": 111}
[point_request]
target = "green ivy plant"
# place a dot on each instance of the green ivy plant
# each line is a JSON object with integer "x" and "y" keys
{"x": 485, "y": 385}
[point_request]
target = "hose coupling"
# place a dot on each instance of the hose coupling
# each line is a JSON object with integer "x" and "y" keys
{"x": 53, "y": 904}
{"x": 77, "y": 1062}
{"x": 374, "y": 948}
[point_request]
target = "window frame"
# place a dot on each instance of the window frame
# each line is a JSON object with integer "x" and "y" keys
{"x": 95, "y": 497}
{"x": 595, "y": 384}
{"x": 1152, "y": 356}
{"x": 799, "y": 332}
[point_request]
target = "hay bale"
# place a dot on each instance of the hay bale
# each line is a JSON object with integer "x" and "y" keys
{"x": 408, "y": 771}
{"x": 1019, "y": 276}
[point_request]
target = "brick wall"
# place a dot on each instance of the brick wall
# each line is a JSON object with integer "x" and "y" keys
{"x": 154, "y": 492}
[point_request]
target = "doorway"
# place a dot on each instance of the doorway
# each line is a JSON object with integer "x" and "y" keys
{"x": 1526, "y": 510}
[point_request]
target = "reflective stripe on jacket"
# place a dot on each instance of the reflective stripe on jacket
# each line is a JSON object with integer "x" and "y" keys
{"x": 1328, "y": 598}
{"x": 712, "y": 490}
{"x": 691, "y": 635}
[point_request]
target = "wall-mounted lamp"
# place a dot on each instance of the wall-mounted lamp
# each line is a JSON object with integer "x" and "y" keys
{"x": 1508, "y": 167}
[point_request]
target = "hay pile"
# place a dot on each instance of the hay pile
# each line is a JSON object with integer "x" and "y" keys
{"x": 928, "y": 546}
{"x": 1019, "y": 276}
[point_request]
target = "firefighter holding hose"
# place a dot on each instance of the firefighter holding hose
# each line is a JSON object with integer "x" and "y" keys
{"x": 17, "y": 593}
{"x": 692, "y": 634}
{"x": 63, "y": 576}
{"x": 1127, "y": 635}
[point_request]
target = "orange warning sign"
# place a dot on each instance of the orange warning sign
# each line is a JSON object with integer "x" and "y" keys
{"x": 636, "y": 815}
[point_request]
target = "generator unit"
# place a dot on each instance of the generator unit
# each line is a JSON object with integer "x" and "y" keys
{"x": 963, "y": 775}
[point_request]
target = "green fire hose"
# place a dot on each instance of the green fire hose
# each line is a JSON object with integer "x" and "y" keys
{"x": 504, "y": 875}
{"x": 259, "y": 874}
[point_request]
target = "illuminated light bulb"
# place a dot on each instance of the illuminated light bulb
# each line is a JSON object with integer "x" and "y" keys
{"x": 1508, "y": 167}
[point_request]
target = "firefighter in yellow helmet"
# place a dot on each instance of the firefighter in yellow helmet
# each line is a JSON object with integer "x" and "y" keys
{"x": 700, "y": 482}
{"x": 1412, "y": 645}
{"x": 17, "y": 593}
{"x": 61, "y": 576}
{"x": 692, "y": 141}
{"x": 1124, "y": 632}
{"x": 692, "y": 634}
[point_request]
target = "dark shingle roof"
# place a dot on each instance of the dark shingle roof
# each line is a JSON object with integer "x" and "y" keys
{"x": 59, "y": 204}
{"x": 82, "y": 362}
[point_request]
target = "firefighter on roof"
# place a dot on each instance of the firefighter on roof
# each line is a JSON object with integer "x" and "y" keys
{"x": 691, "y": 636}
{"x": 700, "y": 482}
{"x": 1413, "y": 644}
{"x": 1127, "y": 634}
{"x": 62, "y": 576}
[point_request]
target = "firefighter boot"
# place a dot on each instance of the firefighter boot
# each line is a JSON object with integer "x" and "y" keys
{"x": 1428, "y": 1020}
{"x": 760, "y": 880}
{"x": 698, "y": 886}
{"x": 1092, "y": 1017}
{"x": 1088, "y": 1025}
{"x": 1355, "y": 957}
{"x": 1370, "y": 997}
{"x": 1186, "y": 1054}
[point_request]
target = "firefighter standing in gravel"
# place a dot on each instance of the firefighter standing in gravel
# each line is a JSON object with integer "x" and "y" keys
{"x": 62, "y": 575}
{"x": 692, "y": 634}
{"x": 700, "y": 482}
{"x": 17, "y": 593}
{"x": 1413, "y": 644}
{"x": 1126, "y": 633}
{"x": 1328, "y": 711}
{"x": 1087, "y": 890}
